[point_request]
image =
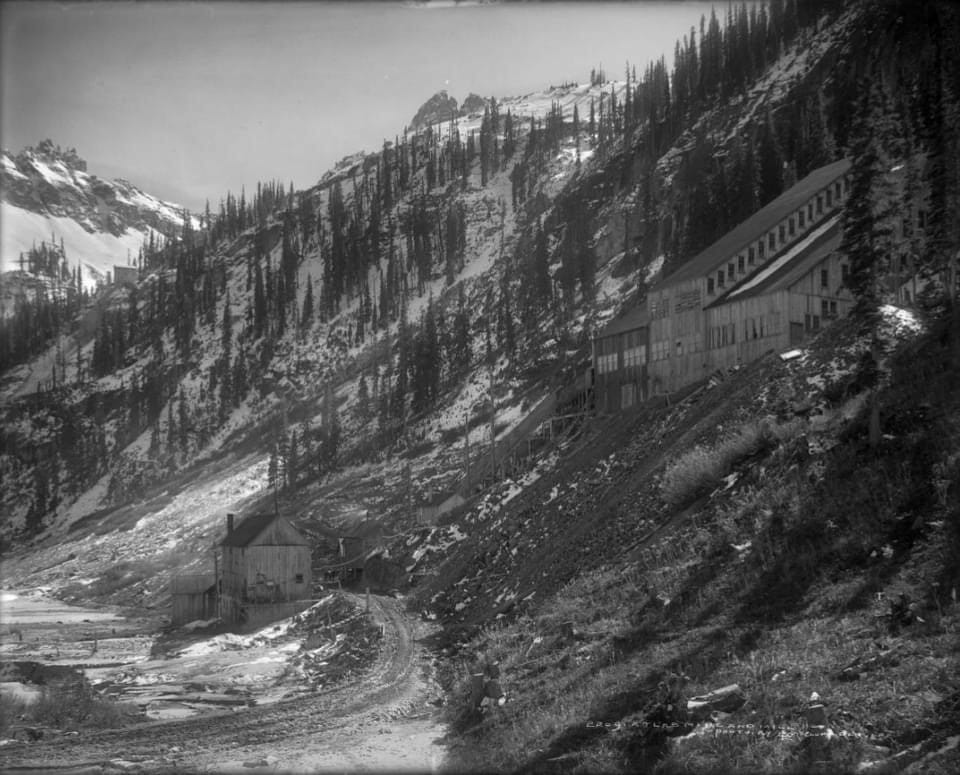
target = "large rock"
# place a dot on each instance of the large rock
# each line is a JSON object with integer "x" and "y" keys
{"x": 440, "y": 107}
{"x": 726, "y": 699}
{"x": 474, "y": 103}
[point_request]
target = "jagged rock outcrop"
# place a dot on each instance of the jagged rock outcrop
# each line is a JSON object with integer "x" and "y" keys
{"x": 474, "y": 103}
{"x": 440, "y": 107}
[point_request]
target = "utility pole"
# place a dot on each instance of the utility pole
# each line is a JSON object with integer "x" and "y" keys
{"x": 466, "y": 446}
{"x": 216, "y": 582}
{"x": 493, "y": 434}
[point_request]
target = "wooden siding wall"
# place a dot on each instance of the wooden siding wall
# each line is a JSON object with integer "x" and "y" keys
{"x": 762, "y": 314}
{"x": 278, "y": 567}
{"x": 675, "y": 355}
{"x": 189, "y": 607}
{"x": 808, "y": 293}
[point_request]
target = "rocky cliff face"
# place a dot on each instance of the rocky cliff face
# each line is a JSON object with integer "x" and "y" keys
{"x": 474, "y": 103}
{"x": 440, "y": 107}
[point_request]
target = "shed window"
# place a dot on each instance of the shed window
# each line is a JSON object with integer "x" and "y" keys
{"x": 709, "y": 285}
{"x": 760, "y": 249}
{"x": 720, "y": 279}
{"x": 844, "y": 272}
{"x": 824, "y": 278}
{"x": 731, "y": 269}
{"x": 741, "y": 266}
{"x": 819, "y": 205}
{"x": 751, "y": 255}
{"x": 810, "y": 211}
{"x": 802, "y": 219}
{"x": 791, "y": 226}
{"x": 837, "y": 189}
{"x": 783, "y": 233}
{"x": 829, "y": 198}
{"x": 772, "y": 241}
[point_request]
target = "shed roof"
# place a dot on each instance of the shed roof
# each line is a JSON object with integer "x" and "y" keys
{"x": 790, "y": 266}
{"x": 758, "y": 224}
{"x": 632, "y": 320}
{"x": 270, "y": 529}
{"x": 191, "y": 583}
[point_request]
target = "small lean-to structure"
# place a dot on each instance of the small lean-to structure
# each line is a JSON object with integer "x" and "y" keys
{"x": 194, "y": 597}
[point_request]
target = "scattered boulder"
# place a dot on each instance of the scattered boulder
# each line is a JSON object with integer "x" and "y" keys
{"x": 727, "y": 699}
{"x": 861, "y": 665}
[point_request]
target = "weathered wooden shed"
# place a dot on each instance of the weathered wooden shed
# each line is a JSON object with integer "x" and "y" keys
{"x": 194, "y": 597}
{"x": 264, "y": 562}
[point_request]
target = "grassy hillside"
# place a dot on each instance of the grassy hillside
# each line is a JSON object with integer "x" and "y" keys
{"x": 780, "y": 553}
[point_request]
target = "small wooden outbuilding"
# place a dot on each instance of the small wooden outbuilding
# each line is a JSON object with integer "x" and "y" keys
{"x": 194, "y": 597}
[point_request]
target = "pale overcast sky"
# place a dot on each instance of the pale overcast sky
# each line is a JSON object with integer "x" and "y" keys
{"x": 188, "y": 100}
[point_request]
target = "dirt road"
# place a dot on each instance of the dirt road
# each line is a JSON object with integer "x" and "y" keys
{"x": 382, "y": 720}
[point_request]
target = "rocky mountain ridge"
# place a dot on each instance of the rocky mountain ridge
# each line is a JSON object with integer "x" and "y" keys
{"x": 48, "y": 194}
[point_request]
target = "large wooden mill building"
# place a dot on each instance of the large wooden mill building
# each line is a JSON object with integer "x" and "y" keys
{"x": 768, "y": 284}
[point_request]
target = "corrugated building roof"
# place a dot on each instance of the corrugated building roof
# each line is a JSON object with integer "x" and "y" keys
{"x": 758, "y": 224}
{"x": 191, "y": 583}
{"x": 790, "y": 267}
{"x": 632, "y": 320}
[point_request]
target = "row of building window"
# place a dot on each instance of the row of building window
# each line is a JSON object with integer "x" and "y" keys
{"x": 659, "y": 351}
{"x": 606, "y": 363}
{"x": 753, "y": 328}
{"x": 721, "y": 336}
{"x": 632, "y": 357}
{"x": 778, "y": 238}
{"x": 635, "y": 356}
{"x": 660, "y": 309}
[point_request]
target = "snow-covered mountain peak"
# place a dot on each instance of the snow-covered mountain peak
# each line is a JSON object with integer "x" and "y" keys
{"x": 49, "y": 196}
